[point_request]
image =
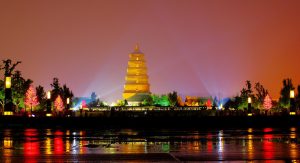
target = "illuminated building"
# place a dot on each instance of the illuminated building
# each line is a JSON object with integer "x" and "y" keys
{"x": 136, "y": 87}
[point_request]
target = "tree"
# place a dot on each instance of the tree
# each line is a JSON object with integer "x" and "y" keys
{"x": 58, "y": 103}
{"x": 19, "y": 88}
{"x": 298, "y": 97}
{"x": 56, "y": 89}
{"x": 93, "y": 96}
{"x": 41, "y": 96}
{"x": 2, "y": 94}
{"x": 261, "y": 93}
{"x": 31, "y": 98}
{"x": 267, "y": 102}
{"x": 66, "y": 93}
{"x": 93, "y": 102}
{"x": 173, "y": 98}
{"x": 284, "y": 100}
{"x": 208, "y": 103}
{"x": 148, "y": 101}
{"x": 8, "y": 68}
{"x": 160, "y": 100}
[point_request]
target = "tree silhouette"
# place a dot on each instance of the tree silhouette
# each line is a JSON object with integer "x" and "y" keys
{"x": 261, "y": 93}
{"x": 284, "y": 100}
{"x": 41, "y": 96}
{"x": 8, "y": 68}
{"x": 173, "y": 98}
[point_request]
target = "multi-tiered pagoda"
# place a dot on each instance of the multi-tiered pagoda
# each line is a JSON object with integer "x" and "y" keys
{"x": 137, "y": 87}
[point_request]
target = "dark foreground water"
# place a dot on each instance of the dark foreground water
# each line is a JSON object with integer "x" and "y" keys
{"x": 63, "y": 145}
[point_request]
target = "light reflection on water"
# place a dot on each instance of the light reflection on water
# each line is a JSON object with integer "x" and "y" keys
{"x": 242, "y": 144}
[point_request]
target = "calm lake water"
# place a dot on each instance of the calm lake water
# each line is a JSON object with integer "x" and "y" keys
{"x": 42, "y": 145}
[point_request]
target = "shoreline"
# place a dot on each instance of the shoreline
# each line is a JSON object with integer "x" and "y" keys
{"x": 150, "y": 122}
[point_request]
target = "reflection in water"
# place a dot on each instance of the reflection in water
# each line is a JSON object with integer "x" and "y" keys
{"x": 268, "y": 146}
{"x": 31, "y": 146}
{"x": 48, "y": 146}
{"x": 250, "y": 147}
{"x": 220, "y": 144}
{"x": 293, "y": 146}
{"x": 249, "y": 144}
{"x": 7, "y": 143}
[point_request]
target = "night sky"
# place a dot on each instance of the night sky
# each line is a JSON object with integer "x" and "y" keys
{"x": 196, "y": 47}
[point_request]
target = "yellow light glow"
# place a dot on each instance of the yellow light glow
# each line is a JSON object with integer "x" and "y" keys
{"x": 67, "y": 145}
{"x": 48, "y": 146}
{"x": 48, "y": 115}
{"x": 249, "y": 100}
{"x": 250, "y": 130}
{"x": 68, "y": 100}
{"x": 8, "y": 113}
{"x": 48, "y": 95}
{"x": 292, "y": 94}
{"x": 249, "y": 114}
{"x": 7, "y": 82}
{"x": 292, "y": 113}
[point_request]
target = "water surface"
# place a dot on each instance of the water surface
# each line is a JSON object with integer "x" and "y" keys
{"x": 36, "y": 145}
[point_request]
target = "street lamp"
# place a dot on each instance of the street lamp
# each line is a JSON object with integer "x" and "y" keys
{"x": 7, "y": 82}
{"x": 8, "y": 97}
{"x": 68, "y": 106}
{"x": 249, "y": 106}
{"x": 292, "y": 102}
{"x": 48, "y": 113}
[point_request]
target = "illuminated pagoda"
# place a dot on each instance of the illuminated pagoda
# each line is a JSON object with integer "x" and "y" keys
{"x": 136, "y": 87}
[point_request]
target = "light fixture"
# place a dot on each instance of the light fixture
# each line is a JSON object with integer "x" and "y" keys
{"x": 292, "y": 93}
{"x": 7, "y": 82}
{"x": 48, "y": 95}
{"x": 292, "y": 113}
{"x": 8, "y": 113}
{"x": 249, "y": 100}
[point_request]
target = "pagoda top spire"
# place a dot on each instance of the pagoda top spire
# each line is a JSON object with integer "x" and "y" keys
{"x": 137, "y": 49}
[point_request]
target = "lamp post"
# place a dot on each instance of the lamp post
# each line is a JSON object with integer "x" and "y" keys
{"x": 8, "y": 104}
{"x": 249, "y": 106}
{"x": 68, "y": 107}
{"x": 292, "y": 102}
{"x": 68, "y": 103}
{"x": 48, "y": 112}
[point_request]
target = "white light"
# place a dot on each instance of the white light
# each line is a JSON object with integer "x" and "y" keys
{"x": 249, "y": 100}
{"x": 221, "y": 106}
{"x": 292, "y": 94}
{"x": 48, "y": 95}
{"x": 68, "y": 100}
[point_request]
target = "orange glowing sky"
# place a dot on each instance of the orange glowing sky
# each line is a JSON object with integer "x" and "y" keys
{"x": 196, "y": 47}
